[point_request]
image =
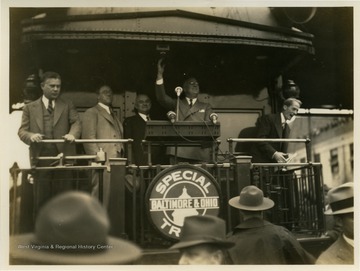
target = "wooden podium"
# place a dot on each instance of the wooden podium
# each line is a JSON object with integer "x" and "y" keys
{"x": 182, "y": 133}
{"x": 181, "y": 130}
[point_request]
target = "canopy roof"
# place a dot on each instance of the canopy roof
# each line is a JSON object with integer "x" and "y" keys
{"x": 229, "y": 50}
{"x": 248, "y": 26}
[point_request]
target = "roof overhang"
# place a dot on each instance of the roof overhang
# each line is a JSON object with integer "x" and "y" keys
{"x": 165, "y": 25}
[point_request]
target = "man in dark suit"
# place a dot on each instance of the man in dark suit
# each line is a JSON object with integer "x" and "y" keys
{"x": 275, "y": 126}
{"x": 100, "y": 122}
{"x": 190, "y": 109}
{"x": 49, "y": 117}
{"x": 134, "y": 127}
{"x": 258, "y": 241}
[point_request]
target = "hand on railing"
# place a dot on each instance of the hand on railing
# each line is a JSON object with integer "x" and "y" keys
{"x": 280, "y": 157}
{"x": 69, "y": 137}
{"x": 36, "y": 138}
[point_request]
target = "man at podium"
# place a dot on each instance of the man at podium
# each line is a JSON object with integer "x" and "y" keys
{"x": 189, "y": 109}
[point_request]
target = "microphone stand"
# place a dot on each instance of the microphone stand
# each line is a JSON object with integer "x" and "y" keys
{"x": 177, "y": 108}
{"x": 178, "y": 91}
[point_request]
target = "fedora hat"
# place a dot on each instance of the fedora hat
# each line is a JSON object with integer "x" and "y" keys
{"x": 251, "y": 199}
{"x": 72, "y": 228}
{"x": 204, "y": 229}
{"x": 341, "y": 199}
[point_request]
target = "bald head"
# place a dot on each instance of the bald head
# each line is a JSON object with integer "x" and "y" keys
{"x": 143, "y": 104}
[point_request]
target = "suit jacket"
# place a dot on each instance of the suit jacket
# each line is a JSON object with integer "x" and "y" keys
{"x": 134, "y": 127}
{"x": 198, "y": 112}
{"x": 66, "y": 121}
{"x": 339, "y": 252}
{"x": 269, "y": 126}
{"x": 99, "y": 124}
{"x": 258, "y": 241}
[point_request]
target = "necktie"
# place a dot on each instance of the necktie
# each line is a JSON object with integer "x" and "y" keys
{"x": 147, "y": 118}
{"x": 50, "y": 108}
{"x": 191, "y": 102}
{"x": 285, "y": 133}
{"x": 285, "y": 130}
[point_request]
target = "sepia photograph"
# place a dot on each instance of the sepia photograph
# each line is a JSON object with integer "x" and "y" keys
{"x": 167, "y": 133}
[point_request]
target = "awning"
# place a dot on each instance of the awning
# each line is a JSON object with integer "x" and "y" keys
{"x": 202, "y": 25}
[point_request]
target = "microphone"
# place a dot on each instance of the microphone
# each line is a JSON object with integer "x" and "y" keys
{"x": 214, "y": 117}
{"x": 171, "y": 116}
{"x": 178, "y": 91}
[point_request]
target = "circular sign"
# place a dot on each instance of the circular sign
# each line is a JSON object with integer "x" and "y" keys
{"x": 178, "y": 192}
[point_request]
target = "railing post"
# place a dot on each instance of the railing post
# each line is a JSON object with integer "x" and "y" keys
{"x": 319, "y": 190}
{"x": 116, "y": 209}
{"x": 242, "y": 171}
{"x": 308, "y": 150}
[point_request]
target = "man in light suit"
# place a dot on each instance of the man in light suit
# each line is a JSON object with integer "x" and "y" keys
{"x": 49, "y": 117}
{"x": 100, "y": 122}
{"x": 275, "y": 126}
{"x": 190, "y": 109}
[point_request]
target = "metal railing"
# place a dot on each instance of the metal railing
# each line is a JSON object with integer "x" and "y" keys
{"x": 22, "y": 193}
{"x": 306, "y": 141}
{"x": 296, "y": 191}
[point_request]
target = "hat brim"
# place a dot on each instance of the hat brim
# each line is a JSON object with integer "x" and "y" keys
{"x": 118, "y": 252}
{"x": 266, "y": 204}
{"x": 218, "y": 242}
{"x": 342, "y": 211}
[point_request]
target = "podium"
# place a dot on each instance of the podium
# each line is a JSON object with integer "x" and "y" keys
{"x": 182, "y": 133}
{"x": 181, "y": 130}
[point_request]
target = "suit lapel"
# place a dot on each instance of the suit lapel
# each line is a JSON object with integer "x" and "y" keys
{"x": 187, "y": 110}
{"x": 278, "y": 126}
{"x": 59, "y": 108}
{"x": 38, "y": 113}
{"x": 108, "y": 117}
{"x": 105, "y": 114}
{"x": 120, "y": 127}
{"x": 184, "y": 107}
{"x": 139, "y": 118}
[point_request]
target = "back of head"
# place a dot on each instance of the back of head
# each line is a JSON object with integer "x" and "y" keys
{"x": 251, "y": 199}
{"x": 290, "y": 90}
{"x": 204, "y": 229}
{"x": 31, "y": 88}
{"x": 72, "y": 228}
{"x": 72, "y": 218}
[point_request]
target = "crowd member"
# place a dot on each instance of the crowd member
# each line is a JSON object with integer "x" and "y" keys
{"x": 100, "y": 122}
{"x": 275, "y": 126}
{"x": 258, "y": 241}
{"x": 341, "y": 200}
{"x": 21, "y": 181}
{"x": 190, "y": 109}
{"x": 202, "y": 241}
{"x": 333, "y": 226}
{"x": 49, "y": 117}
{"x": 71, "y": 229}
